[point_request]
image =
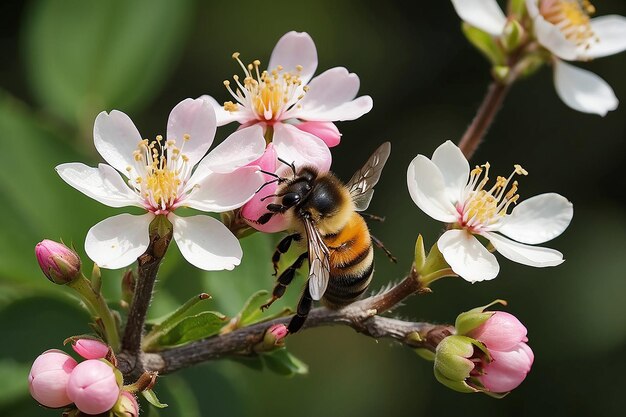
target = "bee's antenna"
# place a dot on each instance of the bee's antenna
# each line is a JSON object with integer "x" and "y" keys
{"x": 290, "y": 165}
{"x": 271, "y": 174}
{"x": 268, "y": 183}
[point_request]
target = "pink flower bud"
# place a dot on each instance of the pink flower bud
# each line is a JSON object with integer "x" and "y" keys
{"x": 127, "y": 405}
{"x": 48, "y": 378}
{"x": 58, "y": 262}
{"x": 502, "y": 331}
{"x": 90, "y": 348}
{"x": 326, "y": 131}
{"x": 507, "y": 369}
{"x": 92, "y": 387}
{"x": 279, "y": 331}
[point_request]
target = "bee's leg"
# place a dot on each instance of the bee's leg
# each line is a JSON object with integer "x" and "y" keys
{"x": 381, "y": 245}
{"x": 304, "y": 306}
{"x": 285, "y": 279}
{"x": 283, "y": 247}
{"x": 273, "y": 210}
{"x": 372, "y": 217}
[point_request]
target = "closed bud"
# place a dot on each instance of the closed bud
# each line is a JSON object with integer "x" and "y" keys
{"x": 59, "y": 263}
{"x": 48, "y": 378}
{"x": 90, "y": 348}
{"x": 276, "y": 334}
{"x": 93, "y": 386}
{"x": 326, "y": 131}
{"x": 126, "y": 405}
{"x": 512, "y": 35}
{"x": 457, "y": 361}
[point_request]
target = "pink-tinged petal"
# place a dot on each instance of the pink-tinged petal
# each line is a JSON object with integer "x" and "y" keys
{"x": 467, "y": 256}
{"x": 524, "y": 254}
{"x": 293, "y": 49}
{"x": 92, "y": 387}
{"x": 237, "y": 150}
{"x": 90, "y": 348}
{"x": 104, "y": 184}
{"x": 454, "y": 168}
{"x": 223, "y": 117}
{"x": 538, "y": 219}
{"x": 195, "y": 118}
{"x": 502, "y": 331}
{"x": 116, "y": 138}
{"x": 118, "y": 241}
{"x": 206, "y": 243}
{"x": 583, "y": 90}
{"x": 326, "y": 131}
{"x": 47, "y": 380}
{"x": 331, "y": 98}
{"x": 300, "y": 148}
{"x": 508, "y": 368}
{"x": 427, "y": 188}
{"x": 486, "y": 15}
{"x": 222, "y": 192}
{"x": 610, "y": 31}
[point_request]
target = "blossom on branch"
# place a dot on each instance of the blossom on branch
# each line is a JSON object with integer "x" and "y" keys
{"x": 159, "y": 177}
{"x": 445, "y": 189}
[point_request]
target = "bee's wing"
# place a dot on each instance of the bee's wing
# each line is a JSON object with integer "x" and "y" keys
{"x": 319, "y": 261}
{"x": 361, "y": 185}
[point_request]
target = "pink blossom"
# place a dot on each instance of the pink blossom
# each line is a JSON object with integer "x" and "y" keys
{"x": 92, "y": 387}
{"x": 127, "y": 404}
{"x": 326, "y": 131}
{"x": 90, "y": 348}
{"x": 502, "y": 331}
{"x": 59, "y": 263}
{"x": 49, "y": 376}
{"x": 279, "y": 331}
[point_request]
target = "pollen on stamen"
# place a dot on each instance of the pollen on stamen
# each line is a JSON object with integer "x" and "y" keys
{"x": 186, "y": 137}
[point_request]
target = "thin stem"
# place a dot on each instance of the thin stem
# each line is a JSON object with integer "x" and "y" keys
{"x": 98, "y": 308}
{"x": 487, "y": 111}
{"x": 426, "y": 280}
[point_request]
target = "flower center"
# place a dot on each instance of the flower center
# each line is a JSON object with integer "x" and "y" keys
{"x": 159, "y": 173}
{"x": 572, "y": 18}
{"x": 266, "y": 94}
{"x": 483, "y": 207}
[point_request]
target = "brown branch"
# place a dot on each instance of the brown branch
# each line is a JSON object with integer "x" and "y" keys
{"x": 361, "y": 316}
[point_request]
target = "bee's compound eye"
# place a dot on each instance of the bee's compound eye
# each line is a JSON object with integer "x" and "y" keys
{"x": 291, "y": 199}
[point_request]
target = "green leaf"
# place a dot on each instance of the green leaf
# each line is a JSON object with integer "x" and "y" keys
{"x": 284, "y": 363}
{"x": 121, "y": 52}
{"x": 485, "y": 43}
{"x": 151, "y": 397}
{"x": 200, "y": 326}
{"x": 16, "y": 388}
{"x": 252, "y": 362}
{"x": 251, "y": 311}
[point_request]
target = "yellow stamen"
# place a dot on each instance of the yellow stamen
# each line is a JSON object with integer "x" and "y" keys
{"x": 572, "y": 17}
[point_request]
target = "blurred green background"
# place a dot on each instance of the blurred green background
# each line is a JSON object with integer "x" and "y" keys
{"x": 65, "y": 61}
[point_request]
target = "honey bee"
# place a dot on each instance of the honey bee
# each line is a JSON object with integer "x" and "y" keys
{"x": 340, "y": 252}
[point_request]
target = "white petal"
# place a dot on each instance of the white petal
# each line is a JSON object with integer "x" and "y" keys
{"x": 538, "y": 219}
{"x": 524, "y": 254}
{"x": 583, "y": 90}
{"x": 428, "y": 190}
{"x": 551, "y": 37}
{"x": 239, "y": 149}
{"x": 118, "y": 241}
{"x": 195, "y": 118}
{"x": 467, "y": 256}
{"x": 116, "y": 137}
{"x": 486, "y": 15}
{"x": 611, "y": 33}
{"x": 224, "y": 117}
{"x": 331, "y": 98}
{"x": 300, "y": 148}
{"x": 533, "y": 8}
{"x": 103, "y": 184}
{"x": 222, "y": 192}
{"x": 454, "y": 168}
{"x": 293, "y": 49}
{"x": 206, "y": 243}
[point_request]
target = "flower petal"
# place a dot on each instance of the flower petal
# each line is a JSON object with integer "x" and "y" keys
{"x": 206, "y": 243}
{"x": 486, "y": 15}
{"x": 331, "y": 98}
{"x": 538, "y": 219}
{"x": 293, "y": 49}
{"x": 427, "y": 188}
{"x": 223, "y": 117}
{"x": 222, "y": 192}
{"x": 237, "y": 150}
{"x": 300, "y": 148}
{"x": 467, "y": 256}
{"x": 326, "y": 131}
{"x": 118, "y": 241}
{"x": 501, "y": 331}
{"x": 104, "y": 184}
{"x": 508, "y": 368}
{"x": 195, "y": 118}
{"x": 524, "y": 254}
{"x": 550, "y": 36}
{"x": 454, "y": 168}
{"x": 611, "y": 33}
{"x": 116, "y": 138}
{"x": 583, "y": 90}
